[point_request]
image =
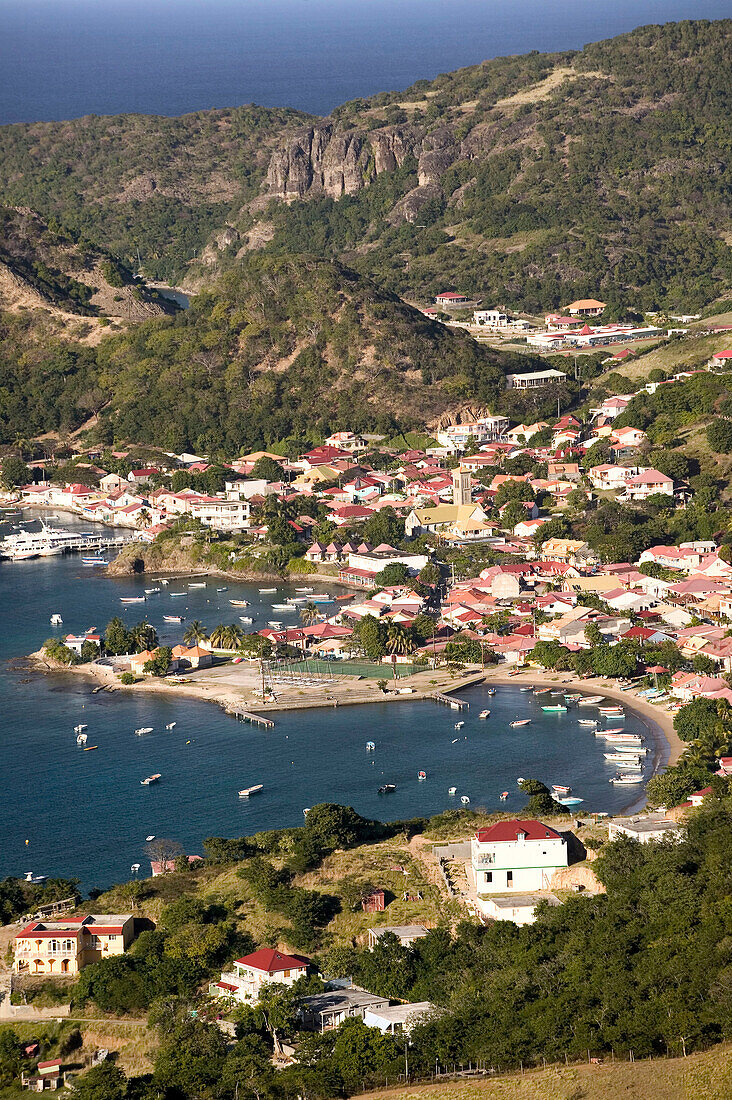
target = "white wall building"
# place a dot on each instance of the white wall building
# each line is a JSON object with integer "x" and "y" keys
{"x": 260, "y": 968}
{"x": 520, "y": 855}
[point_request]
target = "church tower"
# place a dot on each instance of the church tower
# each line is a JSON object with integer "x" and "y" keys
{"x": 461, "y": 487}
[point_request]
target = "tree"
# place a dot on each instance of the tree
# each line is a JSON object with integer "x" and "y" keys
{"x": 117, "y": 638}
{"x": 164, "y": 851}
{"x": 394, "y": 574}
{"x": 11, "y": 1057}
{"x": 160, "y": 663}
{"x": 254, "y": 645}
{"x": 592, "y": 634}
{"x": 693, "y": 720}
{"x": 308, "y": 614}
{"x": 103, "y": 1082}
{"x": 430, "y": 573}
{"x": 371, "y": 633}
{"x": 267, "y": 468}
{"x": 191, "y": 1059}
{"x": 14, "y": 472}
{"x": 143, "y": 636}
{"x": 670, "y": 788}
{"x": 398, "y": 640}
{"x": 194, "y": 633}
{"x": 275, "y": 1009}
{"x": 89, "y": 652}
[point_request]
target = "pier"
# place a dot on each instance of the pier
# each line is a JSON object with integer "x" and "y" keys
{"x": 455, "y": 704}
{"x": 253, "y": 719}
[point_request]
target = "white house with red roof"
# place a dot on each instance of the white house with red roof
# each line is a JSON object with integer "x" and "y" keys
{"x": 519, "y": 855}
{"x": 268, "y": 966}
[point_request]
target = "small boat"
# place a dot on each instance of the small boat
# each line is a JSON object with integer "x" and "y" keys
{"x": 79, "y": 728}
{"x": 56, "y": 619}
{"x": 520, "y": 780}
{"x": 542, "y": 691}
{"x": 520, "y": 722}
{"x": 90, "y": 748}
{"x": 306, "y": 810}
{"x": 554, "y": 709}
{"x": 283, "y": 607}
{"x": 459, "y": 725}
{"x": 573, "y": 697}
{"x": 570, "y": 801}
{"x": 452, "y": 791}
{"x": 465, "y": 800}
{"x": 196, "y": 584}
{"x": 525, "y": 689}
{"x": 134, "y": 867}
{"x": 172, "y": 618}
{"x": 623, "y": 758}
{"x": 303, "y": 589}
{"x": 587, "y": 721}
{"x": 165, "y": 580}
{"x": 322, "y": 597}
{"x": 144, "y": 729}
{"x": 610, "y": 712}
{"x": 239, "y": 603}
{"x": 591, "y": 700}
{"x": 132, "y": 599}
{"x": 171, "y": 725}
{"x": 94, "y": 561}
{"x": 503, "y": 796}
{"x": 421, "y": 775}
{"x": 274, "y": 624}
{"x": 177, "y": 594}
{"x": 370, "y": 746}
{"x": 224, "y": 589}
{"x": 626, "y": 779}
{"x": 484, "y": 714}
{"x": 245, "y": 619}
{"x": 246, "y": 791}
{"x": 150, "y": 779}
{"x": 81, "y": 739}
{"x": 387, "y": 788}
{"x": 620, "y": 738}
{"x": 561, "y": 788}
{"x": 151, "y": 837}
{"x": 263, "y": 590}
{"x": 490, "y": 691}
{"x": 613, "y": 731}
{"x": 151, "y": 591}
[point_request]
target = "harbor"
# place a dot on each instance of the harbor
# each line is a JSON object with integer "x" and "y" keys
{"x": 45, "y": 541}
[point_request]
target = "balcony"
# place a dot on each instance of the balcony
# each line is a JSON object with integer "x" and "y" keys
{"x": 484, "y": 861}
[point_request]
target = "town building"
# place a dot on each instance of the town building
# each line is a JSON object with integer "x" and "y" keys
{"x": 644, "y": 828}
{"x": 520, "y": 855}
{"x": 395, "y": 1019}
{"x": 67, "y": 945}
{"x": 535, "y": 379}
{"x": 520, "y": 909}
{"x": 324, "y": 1011}
{"x": 585, "y": 307}
{"x": 261, "y": 968}
{"x": 449, "y": 300}
{"x": 405, "y": 933}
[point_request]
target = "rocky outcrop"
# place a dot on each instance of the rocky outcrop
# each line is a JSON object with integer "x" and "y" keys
{"x": 326, "y": 160}
{"x": 409, "y": 207}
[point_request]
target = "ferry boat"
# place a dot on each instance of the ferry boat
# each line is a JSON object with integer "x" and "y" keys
{"x": 246, "y": 791}
{"x": 150, "y": 779}
{"x": 239, "y": 603}
{"x": 484, "y": 714}
{"x": 56, "y": 620}
{"x": 173, "y": 618}
{"x": 387, "y": 788}
{"x": 556, "y": 709}
{"x": 520, "y": 722}
{"x": 421, "y": 775}
{"x": 626, "y": 779}
{"x": 591, "y": 700}
{"x": 47, "y": 542}
{"x": 144, "y": 729}
{"x": 561, "y": 788}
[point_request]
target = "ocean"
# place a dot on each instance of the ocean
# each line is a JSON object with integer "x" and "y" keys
{"x": 86, "y": 815}
{"x": 65, "y": 58}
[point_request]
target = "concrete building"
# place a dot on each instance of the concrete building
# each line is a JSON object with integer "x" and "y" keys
{"x": 324, "y": 1011}
{"x": 644, "y": 828}
{"x": 520, "y": 909}
{"x": 405, "y": 933}
{"x": 519, "y": 855}
{"x": 67, "y": 945}
{"x": 260, "y": 968}
{"x": 398, "y": 1018}
{"x": 534, "y": 379}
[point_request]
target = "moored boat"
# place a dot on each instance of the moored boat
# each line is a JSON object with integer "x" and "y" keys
{"x": 370, "y": 746}
{"x": 452, "y": 791}
{"x": 80, "y": 727}
{"x": 263, "y": 590}
{"x": 421, "y": 775}
{"x": 554, "y": 709}
{"x": 150, "y": 779}
{"x": 173, "y": 618}
{"x": 521, "y": 721}
{"x": 459, "y": 725}
{"x": 245, "y": 619}
{"x": 503, "y": 796}
{"x": 239, "y": 603}
{"x": 587, "y": 721}
{"x": 626, "y": 779}
{"x": 56, "y": 619}
{"x": 143, "y": 729}
{"x": 132, "y": 599}
{"x": 561, "y": 788}
{"x": 484, "y": 714}
{"x": 570, "y": 801}
{"x": 81, "y": 739}
{"x": 591, "y": 700}
{"x": 171, "y": 725}
{"x": 90, "y": 748}
{"x": 387, "y": 788}
{"x": 465, "y": 800}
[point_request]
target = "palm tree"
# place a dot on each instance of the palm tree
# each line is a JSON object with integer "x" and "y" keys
{"x": 397, "y": 640}
{"x": 194, "y": 633}
{"x": 144, "y": 636}
{"x": 22, "y": 444}
{"x": 308, "y": 614}
{"x": 144, "y": 519}
{"x": 218, "y": 636}
{"x": 233, "y": 636}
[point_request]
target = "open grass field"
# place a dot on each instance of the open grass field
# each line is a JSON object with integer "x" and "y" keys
{"x": 705, "y": 1076}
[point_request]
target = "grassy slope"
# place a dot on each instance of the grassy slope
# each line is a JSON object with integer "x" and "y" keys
{"x": 705, "y": 1076}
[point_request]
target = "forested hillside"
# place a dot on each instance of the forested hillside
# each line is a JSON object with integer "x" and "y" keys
{"x": 527, "y": 181}
{"x": 279, "y": 347}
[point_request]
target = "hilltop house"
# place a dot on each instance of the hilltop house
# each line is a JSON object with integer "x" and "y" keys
{"x": 585, "y": 307}
{"x": 520, "y": 855}
{"x": 67, "y": 945}
{"x": 260, "y": 968}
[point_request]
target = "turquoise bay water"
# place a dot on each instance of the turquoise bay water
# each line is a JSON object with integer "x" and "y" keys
{"x": 86, "y": 815}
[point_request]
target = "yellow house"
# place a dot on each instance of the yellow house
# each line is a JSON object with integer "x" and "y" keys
{"x": 66, "y": 946}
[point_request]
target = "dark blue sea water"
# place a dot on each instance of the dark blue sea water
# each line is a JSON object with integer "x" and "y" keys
{"x": 65, "y": 58}
{"x": 85, "y": 813}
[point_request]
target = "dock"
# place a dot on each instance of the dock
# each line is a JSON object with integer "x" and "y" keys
{"x": 455, "y": 704}
{"x": 252, "y": 719}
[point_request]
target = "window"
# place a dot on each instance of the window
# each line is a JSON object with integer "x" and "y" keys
{"x": 287, "y": 973}
{"x": 509, "y": 878}
{"x": 489, "y": 876}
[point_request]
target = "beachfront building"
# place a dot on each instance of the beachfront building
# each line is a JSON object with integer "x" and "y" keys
{"x": 520, "y": 855}
{"x": 67, "y": 945}
{"x": 261, "y": 968}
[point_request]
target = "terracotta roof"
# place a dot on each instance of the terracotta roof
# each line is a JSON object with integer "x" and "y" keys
{"x": 507, "y": 831}
{"x": 272, "y": 961}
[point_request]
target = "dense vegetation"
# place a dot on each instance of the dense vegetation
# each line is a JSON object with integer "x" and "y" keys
{"x": 279, "y": 347}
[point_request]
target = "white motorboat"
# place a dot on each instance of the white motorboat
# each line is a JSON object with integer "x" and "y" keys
{"x": 245, "y": 619}
{"x": 484, "y": 714}
{"x": 452, "y": 791}
{"x": 132, "y": 599}
{"x": 465, "y": 800}
{"x": 421, "y": 775}
{"x": 171, "y": 725}
{"x": 224, "y": 589}
{"x": 150, "y": 779}
{"x": 151, "y": 837}
{"x": 626, "y": 779}
{"x": 520, "y": 722}
{"x": 239, "y": 603}
{"x": 196, "y": 584}
{"x": 246, "y": 791}
{"x": 151, "y": 591}
{"x": 303, "y": 589}
{"x": 56, "y": 620}
{"x": 81, "y": 739}
{"x": 370, "y": 746}
{"x": 591, "y": 700}
{"x": 274, "y": 624}
{"x": 266, "y": 590}
{"x": 173, "y": 618}
{"x": 587, "y": 721}
{"x": 625, "y": 761}
{"x": 561, "y": 788}
{"x": 80, "y": 727}
{"x": 459, "y": 725}
{"x": 144, "y": 729}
